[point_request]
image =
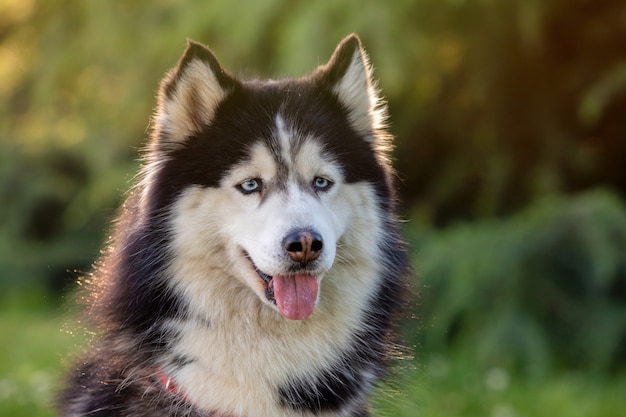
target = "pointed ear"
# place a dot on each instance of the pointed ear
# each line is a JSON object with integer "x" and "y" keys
{"x": 189, "y": 95}
{"x": 348, "y": 74}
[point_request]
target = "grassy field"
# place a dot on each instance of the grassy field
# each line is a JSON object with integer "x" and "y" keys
{"x": 456, "y": 389}
{"x": 34, "y": 346}
{"x": 32, "y": 349}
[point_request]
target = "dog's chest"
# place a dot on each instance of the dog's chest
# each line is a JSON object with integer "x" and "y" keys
{"x": 239, "y": 367}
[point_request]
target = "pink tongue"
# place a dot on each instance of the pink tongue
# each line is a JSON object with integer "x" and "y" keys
{"x": 295, "y": 295}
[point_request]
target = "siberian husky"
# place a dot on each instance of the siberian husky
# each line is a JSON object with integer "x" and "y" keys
{"x": 256, "y": 266}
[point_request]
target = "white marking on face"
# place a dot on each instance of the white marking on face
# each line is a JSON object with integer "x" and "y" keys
{"x": 284, "y": 138}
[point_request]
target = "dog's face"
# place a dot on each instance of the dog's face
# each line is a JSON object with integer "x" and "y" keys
{"x": 279, "y": 214}
{"x": 287, "y": 214}
{"x": 280, "y": 181}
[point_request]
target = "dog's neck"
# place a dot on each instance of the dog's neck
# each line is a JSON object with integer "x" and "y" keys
{"x": 168, "y": 384}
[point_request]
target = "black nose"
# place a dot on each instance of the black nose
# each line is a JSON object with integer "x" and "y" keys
{"x": 303, "y": 246}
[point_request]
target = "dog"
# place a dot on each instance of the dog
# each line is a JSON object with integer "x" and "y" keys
{"x": 257, "y": 265}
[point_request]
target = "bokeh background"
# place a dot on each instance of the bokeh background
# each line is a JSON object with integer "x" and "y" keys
{"x": 510, "y": 118}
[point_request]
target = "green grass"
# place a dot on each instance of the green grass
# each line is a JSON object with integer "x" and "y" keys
{"x": 34, "y": 347}
{"x": 455, "y": 388}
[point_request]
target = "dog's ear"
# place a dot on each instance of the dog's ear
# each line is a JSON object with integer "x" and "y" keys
{"x": 189, "y": 95}
{"x": 348, "y": 74}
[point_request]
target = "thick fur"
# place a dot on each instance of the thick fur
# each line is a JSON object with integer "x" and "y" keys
{"x": 181, "y": 294}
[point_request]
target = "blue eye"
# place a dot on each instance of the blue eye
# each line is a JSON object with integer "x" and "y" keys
{"x": 251, "y": 185}
{"x": 322, "y": 184}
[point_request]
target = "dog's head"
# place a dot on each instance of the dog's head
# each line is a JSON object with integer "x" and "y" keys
{"x": 272, "y": 185}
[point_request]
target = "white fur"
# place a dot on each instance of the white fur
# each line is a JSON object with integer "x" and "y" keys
{"x": 239, "y": 342}
{"x": 358, "y": 92}
{"x": 284, "y": 138}
{"x": 192, "y": 104}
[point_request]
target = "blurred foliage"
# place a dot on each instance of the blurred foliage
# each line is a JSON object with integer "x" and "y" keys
{"x": 543, "y": 290}
{"x": 495, "y": 104}
{"x": 510, "y": 101}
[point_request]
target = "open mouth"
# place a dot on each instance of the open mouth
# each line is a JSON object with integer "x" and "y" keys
{"x": 267, "y": 280}
{"x": 295, "y": 294}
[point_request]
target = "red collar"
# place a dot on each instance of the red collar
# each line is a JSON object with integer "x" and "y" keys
{"x": 169, "y": 384}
